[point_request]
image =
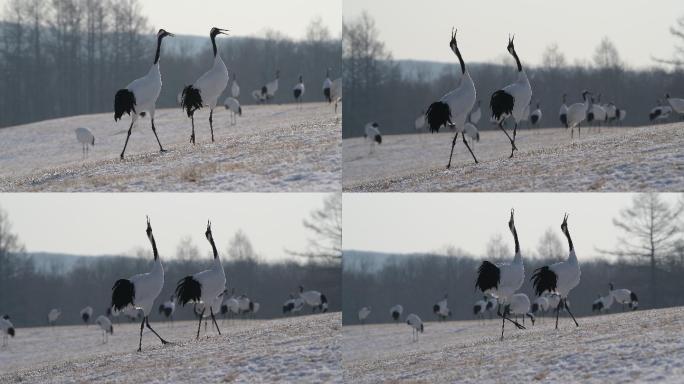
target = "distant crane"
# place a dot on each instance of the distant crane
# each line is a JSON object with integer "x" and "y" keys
{"x": 453, "y": 108}
{"x": 560, "y": 277}
{"x": 336, "y": 92}
{"x": 660, "y": 112}
{"x": 372, "y": 133}
{"x": 86, "y": 138}
{"x": 235, "y": 87}
{"x": 676, "y": 104}
{"x": 327, "y": 87}
{"x": 140, "y": 96}
{"x": 501, "y": 281}
{"x": 314, "y": 299}
{"x": 298, "y": 91}
{"x": 106, "y": 326}
{"x": 577, "y": 113}
{"x": 53, "y": 315}
{"x": 420, "y": 122}
{"x": 520, "y": 306}
{"x": 207, "y": 89}
{"x": 416, "y": 324}
{"x": 363, "y": 314}
{"x": 140, "y": 291}
{"x": 396, "y": 312}
{"x": 86, "y": 313}
{"x": 204, "y": 286}
{"x": 168, "y": 308}
{"x": 269, "y": 90}
{"x": 441, "y": 309}
{"x": 513, "y": 99}
{"x": 625, "y": 297}
{"x": 233, "y": 105}
{"x": 536, "y": 115}
{"x": 479, "y": 308}
{"x": 7, "y": 329}
{"x": 540, "y": 306}
{"x": 563, "y": 113}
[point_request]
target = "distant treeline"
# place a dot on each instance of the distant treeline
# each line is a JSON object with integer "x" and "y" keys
{"x": 63, "y": 58}
{"x": 378, "y": 88}
{"x": 27, "y": 295}
{"x": 419, "y": 281}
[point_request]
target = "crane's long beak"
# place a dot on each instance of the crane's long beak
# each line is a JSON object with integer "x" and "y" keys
{"x": 170, "y": 34}
{"x": 223, "y": 31}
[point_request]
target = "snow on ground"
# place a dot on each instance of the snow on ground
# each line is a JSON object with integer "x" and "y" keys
{"x": 296, "y": 349}
{"x": 272, "y": 148}
{"x": 616, "y": 159}
{"x": 641, "y": 346}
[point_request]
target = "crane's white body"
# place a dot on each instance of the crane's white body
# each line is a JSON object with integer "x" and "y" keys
{"x": 577, "y": 112}
{"x": 212, "y": 280}
{"x": 53, "y": 315}
{"x": 461, "y": 100}
{"x": 542, "y": 303}
{"x": 371, "y": 133}
{"x": 443, "y": 308}
{"x": 475, "y": 114}
{"x": 568, "y": 273}
{"x": 272, "y": 87}
{"x": 520, "y": 304}
{"x": 147, "y": 287}
{"x": 213, "y": 82}
{"x": 243, "y": 302}
{"x": 416, "y": 325}
{"x": 553, "y": 299}
{"x": 522, "y": 94}
{"x": 363, "y": 314}
{"x": 600, "y": 113}
{"x": 88, "y": 311}
{"x": 106, "y": 326}
{"x": 536, "y": 114}
{"x": 512, "y": 277}
{"x": 676, "y": 104}
{"x": 233, "y": 305}
{"x": 86, "y": 138}
{"x": 663, "y": 112}
{"x": 146, "y": 90}
{"x": 300, "y": 86}
{"x": 311, "y": 298}
{"x": 235, "y": 89}
{"x": 420, "y": 122}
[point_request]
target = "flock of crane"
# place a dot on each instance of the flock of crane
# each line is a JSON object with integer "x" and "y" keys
{"x": 460, "y": 110}
{"x": 139, "y": 98}
{"x": 499, "y": 284}
{"x": 134, "y": 297}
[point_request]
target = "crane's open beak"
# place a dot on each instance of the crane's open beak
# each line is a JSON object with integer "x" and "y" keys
{"x": 223, "y": 31}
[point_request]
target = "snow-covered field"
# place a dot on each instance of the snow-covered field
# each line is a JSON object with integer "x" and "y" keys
{"x": 641, "y": 346}
{"x": 616, "y": 159}
{"x": 297, "y": 349}
{"x": 272, "y": 148}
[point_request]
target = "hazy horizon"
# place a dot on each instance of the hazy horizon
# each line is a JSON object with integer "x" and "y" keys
{"x": 638, "y": 29}
{"x": 112, "y": 224}
{"x": 430, "y": 222}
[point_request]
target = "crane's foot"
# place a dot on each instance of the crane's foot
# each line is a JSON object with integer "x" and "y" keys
{"x": 163, "y": 150}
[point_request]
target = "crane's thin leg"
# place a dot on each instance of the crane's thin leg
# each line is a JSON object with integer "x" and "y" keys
{"x": 199, "y": 325}
{"x": 453, "y": 144}
{"x": 567, "y": 308}
{"x": 558, "y": 308}
{"x": 127, "y": 137}
{"x": 192, "y": 136}
{"x": 142, "y": 325}
{"x": 154, "y": 130}
{"x": 211, "y": 311}
{"x": 503, "y": 321}
{"x": 468, "y": 146}
{"x": 579, "y": 131}
{"x": 507, "y": 135}
{"x": 211, "y": 124}
{"x": 147, "y": 321}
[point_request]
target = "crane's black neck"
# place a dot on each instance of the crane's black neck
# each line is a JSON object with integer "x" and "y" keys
{"x": 517, "y": 61}
{"x": 213, "y": 43}
{"x": 156, "y": 56}
{"x": 460, "y": 59}
{"x": 213, "y": 248}
{"x": 515, "y": 237}
{"x": 567, "y": 234}
{"x": 154, "y": 247}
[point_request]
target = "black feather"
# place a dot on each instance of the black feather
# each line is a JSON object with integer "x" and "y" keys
{"x": 297, "y": 93}
{"x": 264, "y": 91}
{"x": 191, "y": 100}
{"x": 326, "y": 93}
{"x": 378, "y": 139}
{"x": 535, "y": 308}
{"x": 435, "y": 308}
{"x": 488, "y": 276}
{"x": 161, "y": 308}
{"x": 85, "y": 317}
{"x": 490, "y": 305}
{"x": 124, "y": 102}
{"x": 501, "y": 104}
{"x": 10, "y": 332}
{"x": 564, "y": 119}
{"x": 544, "y": 280}
{"x": 288, "y": 307}
{"x": 123, "y": 294}
{"x": 534, "y": 119}
{"x": 652, "y": 116}
{"x": 477, "y": 309}
{"x": 188, "y": 290}
{"x": 324, "y": 300}
{"x": 438, "y": 115}
{"x": 224, "y": 309}
{"x": 395, "y": 315}
{"x": 590, "y": 117}
{"x": 633, "y": 296}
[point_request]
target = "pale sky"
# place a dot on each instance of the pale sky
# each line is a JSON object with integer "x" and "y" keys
{"x": 244, "y": 18}
{"x": 96, "y": 224}
{"x": 420, "y": 29}
{"x": 408, "y": 223}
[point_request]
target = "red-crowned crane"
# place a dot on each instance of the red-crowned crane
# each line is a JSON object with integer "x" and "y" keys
{"x": 140, "y": 291}
{"x": 204, "y": 286}
{"x": 453, "y": 108}
{"x": 86, "y": 138}
{"x": 106, "y": 326}
{"x": 7, "y": 329}
{"x": 140, "y": 96}
{"x": 513, "y": 99}
{"x": 577, "y": 113}
{"x": 364, "y": 313}
{"x": 207, "y": 89}
{"x": 298, "y": 91}
{"x": 559, "y": 278}
{"x": 416, "y": 325}
{"x": 563, "y": 113}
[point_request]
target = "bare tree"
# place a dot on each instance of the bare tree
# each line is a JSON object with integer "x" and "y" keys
{"x": 550, "y": 246}
{"x": 651, "y": 232}
{"x": 186, "y": 250}
{"x": 497, "y": 248}
{"x": 325, "y": 225}
{"x": 677, "y": 31}
{"x": 240, "y": 247}
{"x": 606, "y": 55}
{"x": 553, "y": 58}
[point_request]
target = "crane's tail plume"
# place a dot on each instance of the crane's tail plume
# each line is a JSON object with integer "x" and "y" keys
{"x": 438, "y": 115}
{"x": 488, "y": 276}
{"x": 544, "y": 280}
{"x": 501, "y": 104}
{"x": 124, "y": 102}
{"x": 123, "y": 293}
{"x": 188, "y": 290}
{"x": 191, "y": 100}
